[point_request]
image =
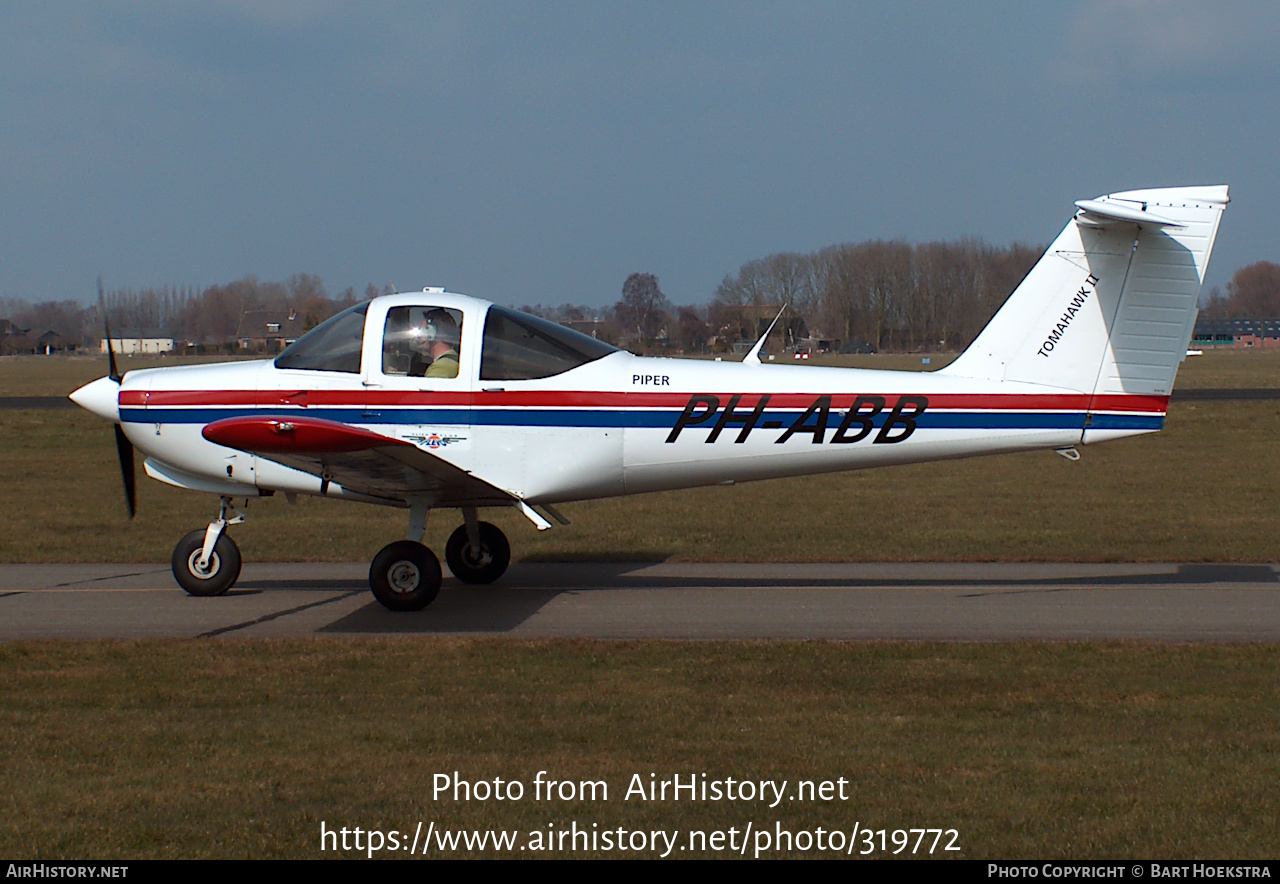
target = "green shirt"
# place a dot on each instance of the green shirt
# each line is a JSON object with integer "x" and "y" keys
{"x": 444, "y": 366}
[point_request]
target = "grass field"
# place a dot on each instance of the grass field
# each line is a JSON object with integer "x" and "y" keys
{"x": 240, "y": 749}
{"x": 59, "y": 375}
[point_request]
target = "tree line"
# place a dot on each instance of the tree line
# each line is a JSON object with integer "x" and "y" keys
{"x": 878, "y": 294}
{"x": 197, "y": 315}
{"x": 1252, "y": 293}
{"x": 887, "y": 295}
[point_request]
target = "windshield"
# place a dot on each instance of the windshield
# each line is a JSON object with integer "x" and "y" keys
{"x": 520, "y": 347}
{"x": 333, "y": 345}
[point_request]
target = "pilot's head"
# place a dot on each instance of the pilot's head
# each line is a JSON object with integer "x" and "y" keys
{"x": 436, "y": 331}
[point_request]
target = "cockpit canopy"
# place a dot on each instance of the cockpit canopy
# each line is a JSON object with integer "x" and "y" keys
{"x": 514, "y": 347}
{"x": 520, "y": 347}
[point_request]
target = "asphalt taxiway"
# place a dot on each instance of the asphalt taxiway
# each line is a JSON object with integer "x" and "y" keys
{"x": 916, "y": 601}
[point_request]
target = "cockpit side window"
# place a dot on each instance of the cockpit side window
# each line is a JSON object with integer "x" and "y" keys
{"x": 519, "y": 347}
{"x": 333, "y": 345}
{"x": 421, "y": 341}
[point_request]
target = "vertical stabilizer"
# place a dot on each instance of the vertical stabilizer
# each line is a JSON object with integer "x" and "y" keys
{"x": 1110, "y": 307}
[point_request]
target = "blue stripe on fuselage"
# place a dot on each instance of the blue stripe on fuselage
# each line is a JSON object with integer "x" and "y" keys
{"x": 1126, "y": 422}
{"x": 517, "y": 417}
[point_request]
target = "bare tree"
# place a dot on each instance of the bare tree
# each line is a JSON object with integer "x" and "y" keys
{"x": 1254, "y": 291}
{"x": 308, "y": 299}
{"x": 643, "y": 306}
{"x": 691, "y": 331}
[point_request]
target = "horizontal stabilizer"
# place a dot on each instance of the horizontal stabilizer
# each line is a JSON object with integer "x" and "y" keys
{"x": 1100, "y": 212}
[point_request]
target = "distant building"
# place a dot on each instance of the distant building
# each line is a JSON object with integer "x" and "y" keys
{"x": 132, "y": 341}
{"x": 12, "y": 338}
{"x": 51, "y": 342}
{"x": 1219, "y": 333}
{"x": 269, "y": 331}
{"x": 818, "y": 344}
{"x": 22, "y": 341}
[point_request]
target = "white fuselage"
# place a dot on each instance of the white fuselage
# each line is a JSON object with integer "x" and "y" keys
{"x": 619, "y": 425}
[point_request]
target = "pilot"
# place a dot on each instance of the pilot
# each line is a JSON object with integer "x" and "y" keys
{"x": 435, "y": 344}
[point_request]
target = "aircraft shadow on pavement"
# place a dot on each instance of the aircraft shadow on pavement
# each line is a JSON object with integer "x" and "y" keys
{"x": 299, "y": 585}
{"x": 1191, "y": 575}
{"x": 462, "y": 609}
{"x": 621, "y": 576}
{"x": 526, "y": 589}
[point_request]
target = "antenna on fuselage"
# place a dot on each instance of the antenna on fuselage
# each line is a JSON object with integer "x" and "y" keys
{"x": 753, "y": 357}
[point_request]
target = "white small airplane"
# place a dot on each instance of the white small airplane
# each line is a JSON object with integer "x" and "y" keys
{"x": 428, "y": 400}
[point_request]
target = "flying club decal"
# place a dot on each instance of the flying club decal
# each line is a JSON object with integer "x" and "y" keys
{"x": 856, "y": 424}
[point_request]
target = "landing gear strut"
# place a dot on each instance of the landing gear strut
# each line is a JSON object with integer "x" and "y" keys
{"x": 207, "y": 562}
{"x": 404, "y": 575}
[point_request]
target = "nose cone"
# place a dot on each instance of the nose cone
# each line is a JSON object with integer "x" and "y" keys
{"x": 102, "y": 397}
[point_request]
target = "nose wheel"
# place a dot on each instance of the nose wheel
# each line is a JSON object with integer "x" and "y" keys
{"x": 481, "y": 561}
{"x": 405, "y": 576}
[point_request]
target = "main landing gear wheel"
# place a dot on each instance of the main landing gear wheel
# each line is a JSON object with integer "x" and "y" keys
{"x": 483, "y": 565}
{"x": 217, "y": 576}
{"x": 405, "y": 576}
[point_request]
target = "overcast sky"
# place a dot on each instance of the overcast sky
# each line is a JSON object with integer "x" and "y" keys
{"x": 541, "y": 152}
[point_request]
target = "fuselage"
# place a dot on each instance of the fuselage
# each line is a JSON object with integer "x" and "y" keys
{"x": 614, "y": 424}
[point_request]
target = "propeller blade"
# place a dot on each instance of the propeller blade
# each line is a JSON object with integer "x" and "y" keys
{"x": 114, "y": 372}
{"x": 124, "y": 448}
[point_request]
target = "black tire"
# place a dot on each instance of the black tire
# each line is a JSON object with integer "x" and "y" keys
{"x": 478, "y": 566}
{"x": 405, "y": 576}
{"x": 218, "y": 577}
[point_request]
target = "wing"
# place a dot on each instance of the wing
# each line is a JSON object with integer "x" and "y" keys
{"x": 356, "y": 459}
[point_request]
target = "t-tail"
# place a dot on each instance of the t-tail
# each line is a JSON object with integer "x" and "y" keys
{"x": 1109, "y": 310}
